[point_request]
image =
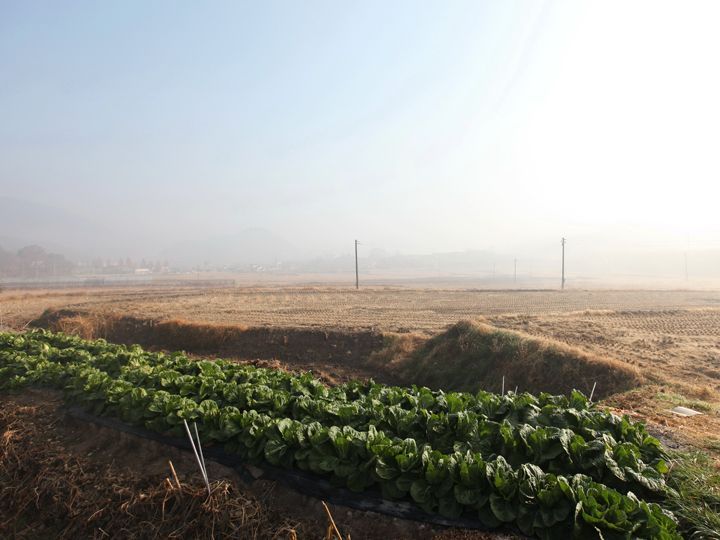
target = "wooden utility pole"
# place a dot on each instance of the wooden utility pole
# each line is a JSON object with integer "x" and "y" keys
{"x": 357, "y": 275}
{"x": 562, "y": 282}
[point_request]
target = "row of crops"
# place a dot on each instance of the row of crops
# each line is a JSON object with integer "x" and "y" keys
{"x": 553, "y": 466}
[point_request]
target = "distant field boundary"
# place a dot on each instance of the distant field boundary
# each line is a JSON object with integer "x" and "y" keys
{"x": 95, "y": 283}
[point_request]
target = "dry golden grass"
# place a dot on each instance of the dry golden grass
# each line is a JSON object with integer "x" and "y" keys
{"x": 677, "y": 352}
{"x": 471, "y": 355}
{"x": 390, "y": 310}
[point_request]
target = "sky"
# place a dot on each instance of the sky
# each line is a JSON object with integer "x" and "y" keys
{"x": 413, "y": 126}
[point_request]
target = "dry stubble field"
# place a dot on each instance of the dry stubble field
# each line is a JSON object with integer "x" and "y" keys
{"x": 388, "y": 309}
{"x": 673, "y": 337}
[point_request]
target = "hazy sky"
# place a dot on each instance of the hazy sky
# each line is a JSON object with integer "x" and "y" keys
{"x": 421, "y": 126}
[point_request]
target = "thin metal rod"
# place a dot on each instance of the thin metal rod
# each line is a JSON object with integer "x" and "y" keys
{"x": 202, "y": 458}
{"x": 197, "y": 456}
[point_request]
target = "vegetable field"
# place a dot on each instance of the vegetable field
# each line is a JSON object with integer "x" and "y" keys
{"x": 551, "y": 466}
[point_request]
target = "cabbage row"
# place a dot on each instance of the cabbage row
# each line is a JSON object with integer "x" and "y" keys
{"x": 551, "y": 465}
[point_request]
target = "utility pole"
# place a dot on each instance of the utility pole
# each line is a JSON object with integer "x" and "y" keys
{"x": 562, "y": 283}
{"x": 686, "y": 272}
{"x": 357, "y": 275}
{"x": 515, "y": 271}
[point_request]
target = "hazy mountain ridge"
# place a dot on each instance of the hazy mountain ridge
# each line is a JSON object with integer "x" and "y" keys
{"x": 24, "y": 223}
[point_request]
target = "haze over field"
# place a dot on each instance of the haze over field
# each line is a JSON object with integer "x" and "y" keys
{"x": 238, "y": 133}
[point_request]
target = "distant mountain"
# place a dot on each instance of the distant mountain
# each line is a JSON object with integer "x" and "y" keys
{"x": 250, "y": 246}
{"x": 25, "y": 223}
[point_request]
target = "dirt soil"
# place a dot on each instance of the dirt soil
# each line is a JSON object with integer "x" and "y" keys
{"x": 54, "y": 467}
